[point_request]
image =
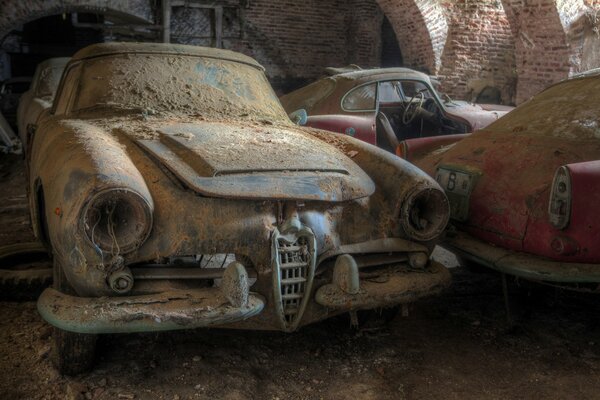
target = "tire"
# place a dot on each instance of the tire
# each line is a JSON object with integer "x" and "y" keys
{"x": 72, "y": 353}
{"x": 25, "y": 271}
{"x": 376, "y": 318}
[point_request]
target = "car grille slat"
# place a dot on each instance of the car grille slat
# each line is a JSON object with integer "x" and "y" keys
{"x": 291, "y": 281}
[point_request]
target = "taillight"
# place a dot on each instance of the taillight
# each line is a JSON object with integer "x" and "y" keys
{"x": 560, "y": 199}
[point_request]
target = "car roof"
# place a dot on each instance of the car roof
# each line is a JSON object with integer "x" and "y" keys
{"x": 383, "y": 73}
{"x": 111, "y": 48}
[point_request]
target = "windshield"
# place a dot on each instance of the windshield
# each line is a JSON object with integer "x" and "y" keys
{"x": 566, "y": 110}
{"x": 437, "y": 88}
{"x": 177, "y": 84}
{"x": 48, "y": 81}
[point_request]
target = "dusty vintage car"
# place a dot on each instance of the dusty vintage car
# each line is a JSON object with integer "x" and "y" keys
{"x": 40, "y": 95}
{"x": 525, "y": 191}
{"x": 156, "y": 160}
{"x": 385, "y": 106}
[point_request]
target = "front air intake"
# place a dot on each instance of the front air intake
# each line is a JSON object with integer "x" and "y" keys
{"x": 294, "y": 259}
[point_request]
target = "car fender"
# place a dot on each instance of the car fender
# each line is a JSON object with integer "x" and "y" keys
{"x": 71, "y": 161}
{"x": 394, "y": 177}
{"x": 578, "y": 241}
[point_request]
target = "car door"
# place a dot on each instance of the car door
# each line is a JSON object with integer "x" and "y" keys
{"x": 361, "y": 102}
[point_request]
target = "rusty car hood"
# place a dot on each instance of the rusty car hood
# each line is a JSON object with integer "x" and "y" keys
{"x": 255, "y": 161}
{"x": 477, "y": 115}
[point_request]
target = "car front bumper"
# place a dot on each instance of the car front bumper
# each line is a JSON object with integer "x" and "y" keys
{"x": 523, "y": 265}
{"x": 216, "y": 307}
{"x": 165, "y": 311}
{"x": 402, "y": 286}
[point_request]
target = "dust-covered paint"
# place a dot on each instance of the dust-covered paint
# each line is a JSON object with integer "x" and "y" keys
{"x": 513, "y": 163}
{"x": 192, "y": 144}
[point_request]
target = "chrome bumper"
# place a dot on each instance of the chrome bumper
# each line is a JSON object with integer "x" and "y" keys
{"x": 400, "y": 287}
{"x": 527, "y": 266}
{"x": 171, "y": 310}
{"x": 156, "y": 312}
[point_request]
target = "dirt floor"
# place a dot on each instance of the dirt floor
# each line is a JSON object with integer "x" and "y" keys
{"x": 456, "y": 346}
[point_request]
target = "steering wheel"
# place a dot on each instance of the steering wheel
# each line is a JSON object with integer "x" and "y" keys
{"x": 412, "y": 108}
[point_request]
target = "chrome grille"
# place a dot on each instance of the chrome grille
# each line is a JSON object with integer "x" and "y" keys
{"x": 294, "y": 262}
{"x": 293, "y": 259}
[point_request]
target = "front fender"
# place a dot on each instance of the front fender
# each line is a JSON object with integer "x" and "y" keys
{"x": 71, "y": 161}
{"x": 394, "y": 177}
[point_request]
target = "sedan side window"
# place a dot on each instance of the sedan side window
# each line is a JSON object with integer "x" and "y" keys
{"x": 390, "y": 92}
{"x": 67, "y": 92}
{"x": 361, "y": 98}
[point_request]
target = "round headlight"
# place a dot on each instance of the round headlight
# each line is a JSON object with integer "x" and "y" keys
{"x": 117, "y": 220}
{"x": 425, "y": 213}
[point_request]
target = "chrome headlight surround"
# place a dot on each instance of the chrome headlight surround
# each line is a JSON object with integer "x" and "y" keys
{"x": 425, "y": 213}
{"x": 117, "y": 220}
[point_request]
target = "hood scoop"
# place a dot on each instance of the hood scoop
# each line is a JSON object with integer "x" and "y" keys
{"x": 254, "y": 162}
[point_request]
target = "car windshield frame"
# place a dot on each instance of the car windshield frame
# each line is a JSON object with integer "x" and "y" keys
{"x": 253, "y": 88}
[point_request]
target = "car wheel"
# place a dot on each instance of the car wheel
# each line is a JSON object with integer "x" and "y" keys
{"x": 25, "y": 271}
{"x": 376, "y": 318}
{"x": 72, "y": 353}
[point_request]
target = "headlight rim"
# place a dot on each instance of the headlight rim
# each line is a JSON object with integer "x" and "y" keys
{"x": 407, "y": 206}
{"x": 148, "y": 211}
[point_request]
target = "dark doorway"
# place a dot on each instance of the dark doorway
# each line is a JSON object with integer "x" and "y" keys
{"x": 54, "y": 36}
{"x": 391, "y": 56}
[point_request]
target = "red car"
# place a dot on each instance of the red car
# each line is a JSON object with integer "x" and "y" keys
{"x": 386, "y": 106}
{"x": 525, "y": 191}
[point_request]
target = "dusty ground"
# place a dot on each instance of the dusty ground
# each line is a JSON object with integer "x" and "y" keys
{"x": 456, "y": 346}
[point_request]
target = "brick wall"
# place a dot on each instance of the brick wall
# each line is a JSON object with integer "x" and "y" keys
{"x": 295, "y": 40}
{"x": 517, "y": 46}
{"x": 420, "y": 27}
{"x": 541, "y": 48}
{"x": 479, "y": 51}
{"x": 582, "y": 25}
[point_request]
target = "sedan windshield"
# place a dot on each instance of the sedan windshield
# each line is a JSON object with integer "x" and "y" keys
{"x": 158, "y": 83}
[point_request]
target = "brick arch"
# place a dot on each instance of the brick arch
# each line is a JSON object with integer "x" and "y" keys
{"x": 16, "y": 12}
{"x": 421, "y": 28}
{"x": 542, "y": 50}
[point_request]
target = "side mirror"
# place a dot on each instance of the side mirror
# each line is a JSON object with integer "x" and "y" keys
{"x": 299, "y": 117}
{"x": 31, "y": 128}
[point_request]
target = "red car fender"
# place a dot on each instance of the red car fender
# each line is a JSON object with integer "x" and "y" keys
{"x": 413, "y": 149}
{"x": 580, "y": 239}
{"x": 361, "y": 127}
